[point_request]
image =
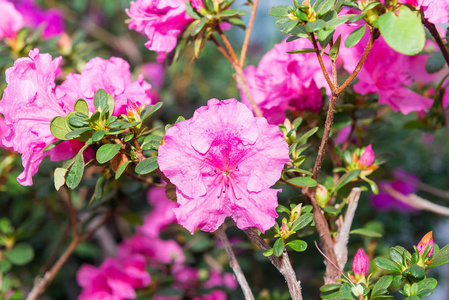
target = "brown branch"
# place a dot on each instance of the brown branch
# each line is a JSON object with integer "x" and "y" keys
{"x": 281, "y": 263}
{"x": 374, "y": 34}
{"x": 340, "y": 247}
{"x": 41, "y": 284}
{"x": 233, "y": 262}
{"x": 248, "y": 33}
{"x": 228, "y": 45}
{"x": 320, "y": 60}
{"x": 221, "y": 49}
{"x": 436, "y": 35}
{"x": 418, "y": 202}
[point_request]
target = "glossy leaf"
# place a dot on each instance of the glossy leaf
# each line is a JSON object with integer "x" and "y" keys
{"x": 106, "y": 152}
{"x": 147, "y": 165}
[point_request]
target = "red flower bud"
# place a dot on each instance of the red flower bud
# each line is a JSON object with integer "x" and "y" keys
{"x": 367, "y": 157}
{"x": 425, "y": 241}
{"x": 360, "y": 265}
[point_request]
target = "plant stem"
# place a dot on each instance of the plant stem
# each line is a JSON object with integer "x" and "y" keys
{"x": 436, "y": 35}
{"x": 281, "y": 263}
{"x": 320, "y": 60}
{"x": 233, "y": 262}
{"x": 248, "y": 33}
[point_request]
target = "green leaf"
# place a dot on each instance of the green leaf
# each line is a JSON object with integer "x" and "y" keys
{"x": 76, "y": 172}
{"x": 290, "y": 26}
{"x": 59, "y": 128}
{"x": 403, "y": 32}
{"x": 332, "y": 24}
{"x": 305, "y": 50}
{"x": 440, "y": 258}
{"x": 106, "y": 152}
{"x": 237, "y": 22}
{"x": 308, "y": 134}
{"x": 428, "y": 283}
{"x": 20, "y": 255}
{"x": 59, "y": 177}
{"x": 282, "y": 209}
{"x": 111, "y": 104}
{"x": 347, "y": 178}
{"x": 279, "y": 11}
{"x": 355, "y": 37}
{"x": 278, "y": 247}
{"x": 200, "y": 25}
{"x": 81, "y": 106}
{"x": 335, "y": 49}
{"x": 149, "y": 110}
{"x": 100, "y": 100}
{"x": 302, "y": 221}
{"x": 77, "y": 133}
{"x": 98, "y": 135}
{"x": 298, "y": 245}
{"x": 128, "y": 125}
{"x": 417, "y": 272}
{"x": 325, "y": 7}
{"x": 330, "y": 287}
{"x": 302, "y": 181}
{"x": 382, "y": 285}
{"x": 147, "y": 165}
{"x": 231, "y": 13}
{"x": 332, "y": 210}
{"x": 366, "y": 232}
{"x": 121, "y": 169}
{"x": 435, "y": 62}
{"x": 51, "y": 146}
{"x": 98, "y": 192}
{"x": 386, "y": 264}
{"x": 316, "y": 25}
{"x": 268, "y": 252}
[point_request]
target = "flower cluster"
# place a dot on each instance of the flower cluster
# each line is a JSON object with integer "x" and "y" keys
{"x": 16, "y": 14}
{"x": 223, "y": 162}
{"x": 119, "y": 277}
{"x": 285, "y": 81}
{"x": 32, "y": 99}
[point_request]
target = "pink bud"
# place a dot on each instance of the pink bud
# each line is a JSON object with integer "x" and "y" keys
{"x": 360, "y": 265}
{"x": 367, "y": 157}
{"x": 425, "y": 241}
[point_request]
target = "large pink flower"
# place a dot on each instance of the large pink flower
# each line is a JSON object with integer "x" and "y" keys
{"x": 385, "y": 72}
{"x": 113, "y": 76}
{"x": 223, "y": 162}
{"x": 161, "y": 21}
{"x": 284, "y": 81}
{"x": 11, "y": 21}
{"x": 30, "y": 103}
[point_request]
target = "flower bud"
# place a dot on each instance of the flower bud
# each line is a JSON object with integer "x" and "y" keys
{"x": 425, "y": 241}
{"x": 284, "y": 232}
{"x": 367, "y": 157}
{"x": 296, "y": 213}
{"x": 360, "y": 265}
{"x": 322, "y": 195}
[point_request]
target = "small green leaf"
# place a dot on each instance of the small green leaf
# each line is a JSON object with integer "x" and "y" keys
{"x": 290, "y": 26}
{"x": 100, "y": 100}
{"x": 332, "y": 210}
{"x": 121, "y": 169}
{"x": 325, "y": 7}
{"x": 59, "y": 128}
{"x": 98, "y": 192}
{"x": 149, "y": 110}
{"x": 106, "y": 152}
{"x": 308, "y": 134}
{"x": 76, "y": 172}
{"x": 279, "y": 11}
{"x": 386, "y": 264}
{"x": 332, "y": 24}
{"x": 330, "y": 287}
{"x": 268, "y": 252}
{"x": 20, "y": 255}
{"x": 98, "y": 135}
{"x": 404, "y": 31}
{"x": 282, "y": 209}
{"x": 77, "y": 133}
{"x": 335, "y": 49}
{"x": 417, "y": 272}
{"x": 316, "y": 25}
{"x": 278, "y": 247}
{"x": 59, "y": 177}
{"x": 51, "y": 146}
{"x": 347, "y": 178}
{"x": 382, "y": 285}
{"x": 199, "y": 26}
{"x": 302, "y": 221}
{"x": 147, "y": 165}
{"x": 298, "y": 245}
{"x": 440, "y": 258}
{"x": 355, "y": 37}
{"x": 236, "y": 22}
{"x": 81, "y": 106}
{"x": 366, "y": 232}
{"x": 302, "y": 181}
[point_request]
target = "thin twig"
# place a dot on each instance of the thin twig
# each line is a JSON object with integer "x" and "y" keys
{"x": 320, "y": 60}
{"x": 248, "y": 33}
{"x": 418, "y": 202}
{"x": 233, "y": 262}
{"x": 340, "y": 247}
{"x": 221, "y": 49}
{"x": 228, "y": 45}
{"x": 436, "y": 35}
{"x": 281, "y": 263}
{"x": 41, "y": 284}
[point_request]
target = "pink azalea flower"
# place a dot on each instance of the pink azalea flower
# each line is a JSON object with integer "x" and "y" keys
{"x": 361, "y": 264}
{"x": 30, "y": 103}
{"x": 11, "y": 21}
{"x": 284, "y": 81}
{"x": 161, "y": 21}
{"x": 113, "y": 76}
{"x": 113, "y": 279}
{"x": 367, "y": 158}
{"x": 385, "y": 72}
{"x": 223, "y": 162}
{"x": 34, "y": 16}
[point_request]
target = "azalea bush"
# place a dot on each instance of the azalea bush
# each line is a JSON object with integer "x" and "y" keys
{"x": 178, "y": 170}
